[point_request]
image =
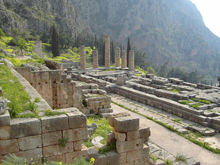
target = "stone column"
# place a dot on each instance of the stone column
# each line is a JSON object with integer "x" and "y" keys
{"x": 124, "y": 59}
{"x": 82, "y": 57}
{"x": 117, "y": 57}
{"x": 107, "y": 51}
{"x": 131, "y": 60}
{"x": 95, "y": 59}
{"x": 38, "y": 48}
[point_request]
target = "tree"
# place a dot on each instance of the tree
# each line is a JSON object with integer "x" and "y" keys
{"x": 128, "y": 50}
{"x": 55, "y": 42}
{"x": 2, "y": 34}
{"x": 150, "y": 70}
{"x": 164, "y": 69}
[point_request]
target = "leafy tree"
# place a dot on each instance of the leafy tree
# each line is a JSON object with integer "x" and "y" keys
{"x": 150, "y": 70}
{"x": 15, "y": 32}
{"x": 128, "y": 50}
{"x": 2, "y": 34}
{"x": 164, "y": 69}
{"x": 55, "y": 42}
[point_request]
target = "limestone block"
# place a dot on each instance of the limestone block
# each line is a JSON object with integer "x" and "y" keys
{"x": 70, "y": 157}
{"x": 129, "y": 145}
{"x": 54, "y": 123}
{"x": 51, "y": 138}
{"x": 5, "y": 132}
{"x": 8, "y": 146}
{"x": 102, "y": 159}
{"x": 77, "y": 145}
{"x": 77, "y": 120}
{"x": 120, "y": 136}
{"x": 25, "y": 127}
{"x": 111, "y": 118}
{"x": 57, "y": 158}
{"x": 138, "y": 154}
{"x": 30, "y": 142}
{"x": 76, "y": 134}
{"x": 110, "y": 139}
{"x": 132, "y": 135}
{"x": 5, "y": 119}
{"x": 144, "y": 132}
{"x": 35, "y": 154}
{"x": 57, "y": 149}
{"x": 131, "y": 163}
{"x": 126, "y": 124}
{"x": 123, "y": 157}
{"x": 142, "y": 162}
{"x": 113, "y": 158}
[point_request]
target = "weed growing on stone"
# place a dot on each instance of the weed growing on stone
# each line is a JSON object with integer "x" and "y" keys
{"x": 181, "y": 157}
{"x": 62, "y": 141}
{"x": 168, "y": 162}
{"x": 176, "y": 90}
{"x": 107, "y": 149}
{"x": 185, "y": 102}
{"x": 37, "y": 99}
{"x": 177, "y": 120}
{"x": 53, "y": 113}
{"x": 201, "y": 101}
{"x": 154, "y": 158}
{"x": 195, "y": 106}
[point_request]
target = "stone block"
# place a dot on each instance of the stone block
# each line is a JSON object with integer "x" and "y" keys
{"x": 111, "y": 117}
{"x": 126, "y": 124}
{"x": 144, "y": 132}
{"x": 51, "y": 138}
{"x": 76, "y": 134}
{"x": 5, "y": 132}
{"x": 111, "y": 138}
{"x": 120, "y": 136}
{"x": 160, "y": 162}
{"x": 77, "y": 120}
{"x": 131, "y": 163}
{"x": 57, "y": 158}
{"x": 123, "y": 158}
{"x": 30, "y": 142}
{"x": 71, "y": 157}
{"x": 8, "y": 146}
{"x": 132, "y": 135}
{"x": 102, "y": 159}
{"x": 138, "y": 154}
{"x": 34, "y": 154}
{"x": 129, "y": 145}
{"x": 25, "y": 127}
{"x": 113, "y": 158}
{"x": 54, "y": 123}
{"x": 77, "y": 145}
{"x": 5, "y": 119}
{"x": 57, "y": 149}
{"x": 142, "y": 162}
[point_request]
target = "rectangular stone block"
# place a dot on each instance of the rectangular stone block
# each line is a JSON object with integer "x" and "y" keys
{"x": 144, "y": 162}
{"x": 144, "y": 132}
{"x": 57, "y": 158}
{"x": 57, "y": 150}
{"x": 77, "y": 120}
{"x": 25, "y": 127}
{"x": 8, "y": 146}
{"x": 129, "y": 145}
{"x": 76, "y": 134}
{"x": 126, "y": 124}
{"x": 54, "y": 123}
{"x": 5, "y": 132}
{"x": 5, "y": 119}
{"x": 138, "y": 154}
{"x": 120, "y": 136}
{"x": 102, "y": 159}
{"x": 77, "y": 145}
{"x": 132, "y": 135}
{"x": 51, "y": 138}
{"x": 30, "y": 142}
{"x": 34, "y": 154}
{"x": 123, "y": 158}
{"x": 113, "y": 158}
{"x": 71, "y": 157}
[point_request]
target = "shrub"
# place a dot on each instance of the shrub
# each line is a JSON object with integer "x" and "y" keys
{"x": 195, "y": 106}
{"x": 37, "y": 99}
{"x": 63, "y": 141}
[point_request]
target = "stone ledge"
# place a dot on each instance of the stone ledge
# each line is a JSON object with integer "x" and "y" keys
{"x": 5, "y": 119}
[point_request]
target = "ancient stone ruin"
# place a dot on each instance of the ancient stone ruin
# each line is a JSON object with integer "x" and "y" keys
{"x": 79, "y": 91}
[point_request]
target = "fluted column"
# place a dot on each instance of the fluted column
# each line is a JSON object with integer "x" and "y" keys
{"x": 131, "y": 60}
{"x": 82, "y": 57}
{"x": 117, "y": 57}
{"x": 95, "y": 59}
{"x": 107, "y": 51}
{"x": 124, "y": 59}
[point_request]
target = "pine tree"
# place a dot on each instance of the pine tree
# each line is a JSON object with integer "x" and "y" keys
{"x": 128, "y": 50}
{"x": 55, "y": 42}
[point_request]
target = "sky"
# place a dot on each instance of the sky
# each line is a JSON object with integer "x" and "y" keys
{"x": 210, "y": 10}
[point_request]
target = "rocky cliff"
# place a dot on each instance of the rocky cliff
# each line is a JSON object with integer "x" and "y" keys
{"x": 167, "y": 30}
{"x": 37, "y": 16}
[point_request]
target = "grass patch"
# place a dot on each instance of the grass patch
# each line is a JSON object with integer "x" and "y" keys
{"x": 53, "y": 113}
{"x": 177, "y": 120}
{"x": 181, "y": 157}
{"x": 107, "y": 70}
{"x": 15, "y": 92}
{"x": 201, "y": 101}
{"x": 37, "y": 99}
{"x": 107, "y": 149}
{"x": 103, "y": 128}
{"x": 204, "y": 145}
{"x": 176, "y": 90}
{"x": 185, "y": 102}
{"x": 195, "y": 106}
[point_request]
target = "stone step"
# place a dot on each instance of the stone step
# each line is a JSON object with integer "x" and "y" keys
{"x": 105, "y": 115}
{"x": 105, "y": 110}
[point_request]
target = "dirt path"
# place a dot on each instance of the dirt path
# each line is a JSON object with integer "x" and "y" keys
{"x": 167, "y": 139}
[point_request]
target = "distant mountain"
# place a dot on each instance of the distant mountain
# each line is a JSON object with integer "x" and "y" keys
{"x": 167, "y": 30}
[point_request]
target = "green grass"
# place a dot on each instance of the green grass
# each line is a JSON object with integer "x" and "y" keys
{"x": 177, "y": 120}
{"x": 181, "y": 157}
{"x": 107, "y": 70}
{"x": 195, "y": 106}
{"x": 15, "y": 92}
{"x": 107, "y": 149}
{"x": 37, "y": 99}
{"x": 176, "y": 90}
{"x": 103, "y": 128}
{"x": 53, "y": 113}
{"x": 185, "y": 102}
{"x": 206, "y": 146}
{"x": 17, "y": 63}
{"x": 201, "y": 101}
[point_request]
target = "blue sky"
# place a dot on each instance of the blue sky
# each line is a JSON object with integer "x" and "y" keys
{"x": 210, "y": 10}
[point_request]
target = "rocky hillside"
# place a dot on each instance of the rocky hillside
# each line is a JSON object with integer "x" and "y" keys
{"x": 37, "y": 16}
{"x": 167, "y": 30}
